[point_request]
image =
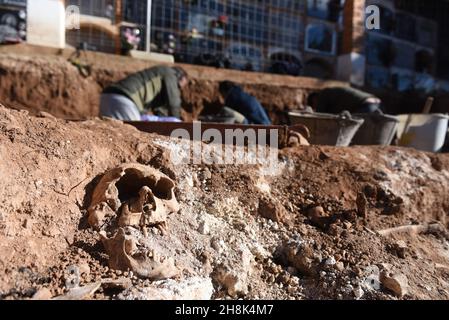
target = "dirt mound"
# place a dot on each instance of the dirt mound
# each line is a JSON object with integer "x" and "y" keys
{"x": 40, "y": 79}
{"x": 51, "y": 84}
{"x": 329, "y": 204}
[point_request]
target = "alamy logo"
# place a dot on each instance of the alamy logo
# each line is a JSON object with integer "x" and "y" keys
{"x": 72, "y": 18}
{"x": 237, "y": 146}
{"x": 372, "y": 17}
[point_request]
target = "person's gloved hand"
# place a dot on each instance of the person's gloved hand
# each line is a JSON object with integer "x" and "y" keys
{"x": 345, "y": 115}
{"x": 152, "y": 118}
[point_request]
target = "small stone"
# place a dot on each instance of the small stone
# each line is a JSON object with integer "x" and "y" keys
{"x": 302, "y": 229}
{"x": 358, "y": 292}
{"x": 204, "y": 228}
{"x": 84, "y": 268}
{"x": 51, "y": 231}
{"x": 385, "y": 267}
{"x": 330, "y": 261}
{"x": 294, "y": 281}
{"x": 284, "y": 278}
{"x": 362, "y": 204}
{"x": 70, "y": 239}
{"x": 218, "y": 244}
{"x": 318, "y": 216}
{"x": 371, "y": 281}
{"x": 122, "y": 283}
{"x": 335, "y": 230}
{"x": 349, "y": 288}
{"x": 400, "y": 248}
{"x": 80, "y": 293}
{"x": 303, "y": 258}
{"x": 42, "y": 294}
{"x": 340, "y": 266}
{"x": 396, "y": 283}
{"x": 235, "y": 277}
{"x": 271, "y": 209}
{"x": 72, "y": 276}
{"x": 43, "y": 114}
{"x": 38, "y": 183}
{"x": 291, "y": 290}
{"x": 207, "y": 174}
{"x": 27, "y": 223}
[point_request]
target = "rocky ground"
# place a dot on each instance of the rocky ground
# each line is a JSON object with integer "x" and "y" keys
{"x": 321, "y": 223}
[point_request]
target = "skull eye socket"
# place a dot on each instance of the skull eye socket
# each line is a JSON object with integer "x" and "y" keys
{"x": 163, "y": 189}
{"x": 130, "y": 183}
{"x": 133, "y": 180}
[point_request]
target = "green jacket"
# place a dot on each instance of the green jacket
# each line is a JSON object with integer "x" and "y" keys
{"x": 154, "y": 88}
{"x": 338, "y": 99}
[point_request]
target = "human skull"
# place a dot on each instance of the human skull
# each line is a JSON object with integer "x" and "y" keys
{"x": 138, "y": 194}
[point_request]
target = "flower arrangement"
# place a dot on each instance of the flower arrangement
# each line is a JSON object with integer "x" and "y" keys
{"x": 130, "y": 39}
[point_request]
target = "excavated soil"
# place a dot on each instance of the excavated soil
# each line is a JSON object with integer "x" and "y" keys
{"x": 39, "y": 79}
{"x": 305, "y": 228}
{"x": 52, "y": 84}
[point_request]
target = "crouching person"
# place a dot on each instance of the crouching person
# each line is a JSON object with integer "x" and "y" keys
{"x": 240, "y": 103}
{"x": 335, "y": 100}
{"x": 156, "y": 90}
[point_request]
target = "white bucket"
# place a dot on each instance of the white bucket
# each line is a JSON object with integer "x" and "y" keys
{"x": 426, "y": 132}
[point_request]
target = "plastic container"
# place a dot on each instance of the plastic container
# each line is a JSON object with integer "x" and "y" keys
{"x": 378, "y": 129}
{"x": 426, "y": 132}
{"x": 328, "y": 129}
